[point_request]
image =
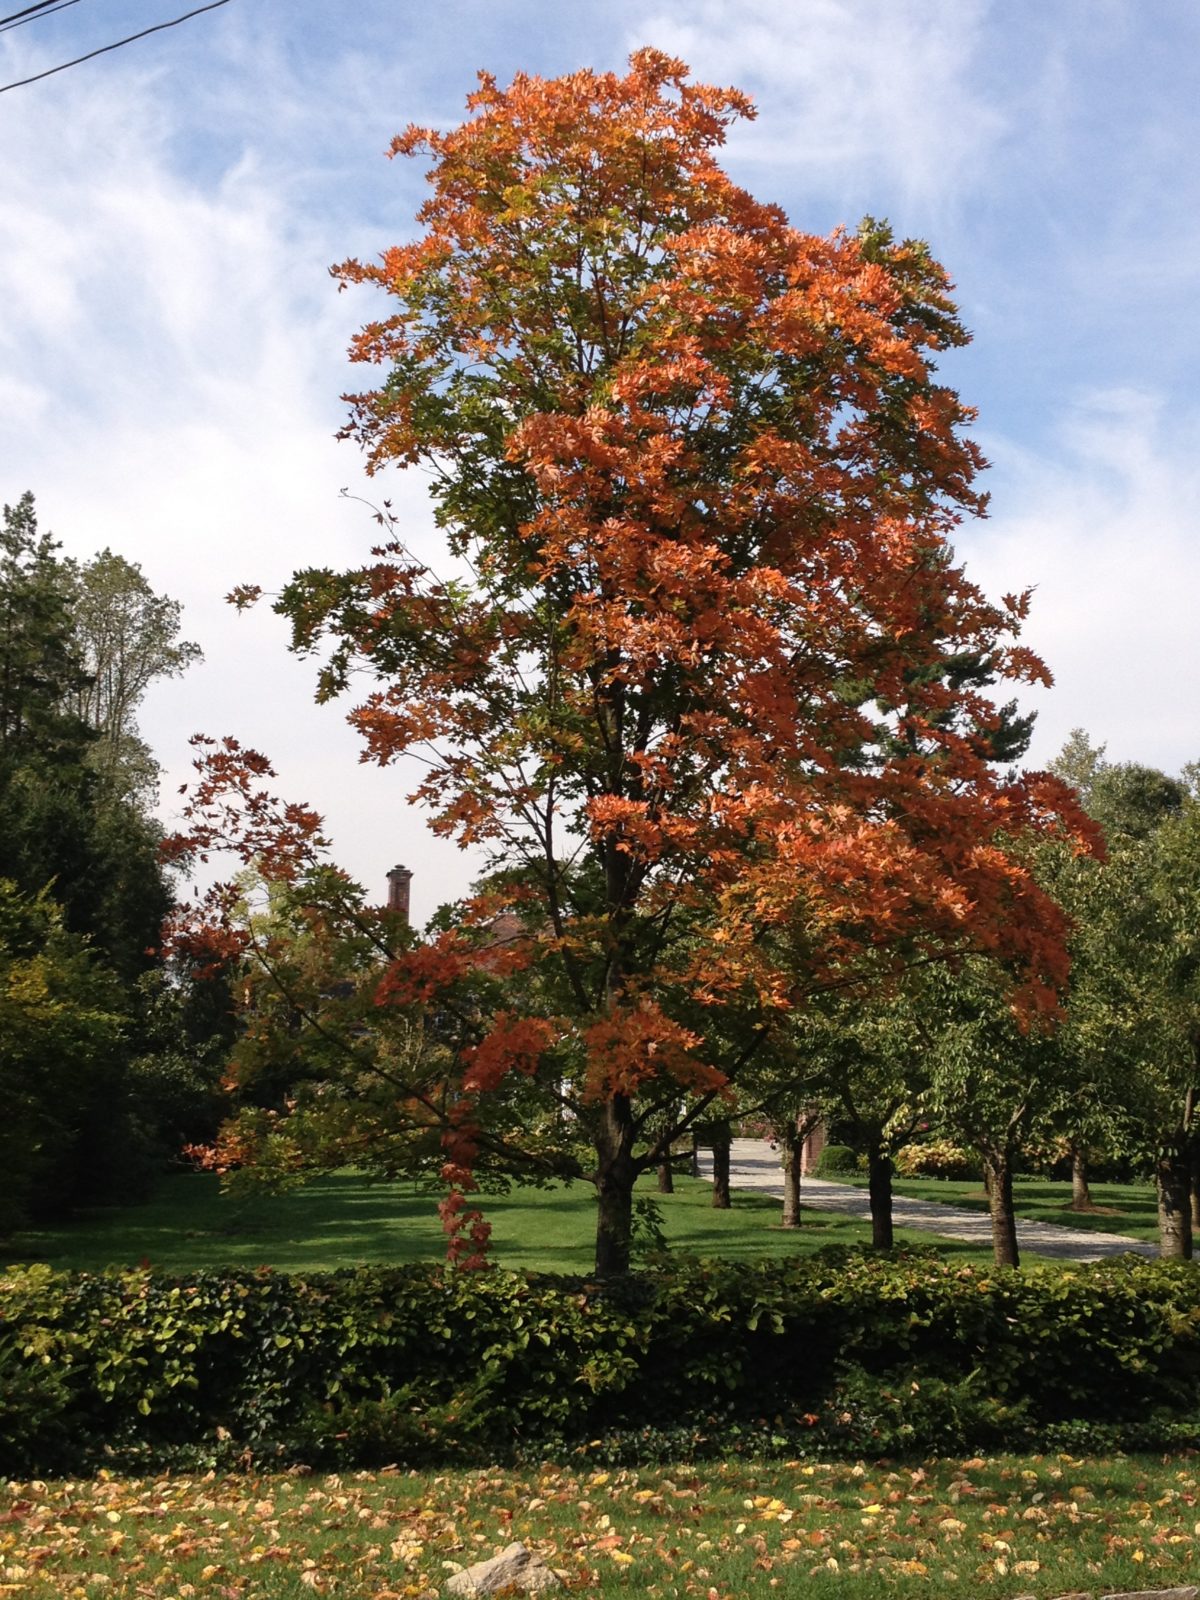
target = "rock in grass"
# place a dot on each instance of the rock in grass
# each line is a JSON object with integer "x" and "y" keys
{"x": 1189, "y": 1591}
{"x": 514, "y": 1568}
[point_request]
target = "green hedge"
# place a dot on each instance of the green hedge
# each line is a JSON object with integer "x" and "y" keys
{"x": 844, "y": 1352}
{"x": 835, "y": 1161}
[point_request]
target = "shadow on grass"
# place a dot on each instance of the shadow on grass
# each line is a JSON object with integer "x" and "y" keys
{"x": 1130, "y": 1209}
{"x": 339, "y": 1220}
{"x": 345, "y": 1219}
{"x": 1127, "y": 1208}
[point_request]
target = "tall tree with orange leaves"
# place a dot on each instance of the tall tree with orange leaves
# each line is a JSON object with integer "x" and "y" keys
{"x": 708, "y": 683}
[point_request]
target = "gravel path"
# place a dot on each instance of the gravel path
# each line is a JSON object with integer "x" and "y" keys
{"x": 755, "y": 1165}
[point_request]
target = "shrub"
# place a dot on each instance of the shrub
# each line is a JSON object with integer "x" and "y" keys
{"x": 845, "y": 1351}
{"x": 836, "y": 1161}
{"x": 936, "y": 1158}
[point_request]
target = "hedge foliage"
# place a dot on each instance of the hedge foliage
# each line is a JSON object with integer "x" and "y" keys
{"x": 836, "y": 1159}
{"x": 844, "y": 1352}
{"x": 936, "y": 1158}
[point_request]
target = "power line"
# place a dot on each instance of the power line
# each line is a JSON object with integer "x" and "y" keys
{"x": 116, "y": 45}
{"x": 28, "y": 11}
{"x": 22, "y": 17}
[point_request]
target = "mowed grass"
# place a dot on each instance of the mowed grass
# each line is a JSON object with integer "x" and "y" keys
{"x": 345, "y": 1220}
{"x": 1126, "y": 1208}
{"x": 1039, "y": 1526}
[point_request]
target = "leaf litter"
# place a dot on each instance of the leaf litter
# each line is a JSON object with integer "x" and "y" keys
{"x": 1002, "y": 1526}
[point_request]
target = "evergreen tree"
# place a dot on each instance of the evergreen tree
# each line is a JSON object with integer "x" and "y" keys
{"x": 84, "y": 891}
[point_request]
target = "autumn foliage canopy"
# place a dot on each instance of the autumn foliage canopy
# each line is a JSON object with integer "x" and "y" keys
{"x": 703, "y": 674}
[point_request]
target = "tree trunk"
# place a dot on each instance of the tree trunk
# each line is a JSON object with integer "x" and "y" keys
{"x": 997, "y": 1173}
{"x": 721, "y": 1138}
{"x": 1195, "y": 1167}
{"x": 793, "y": 1154}
{"x": 879, "y": 1184}
{"x": 615, "y": 1178}
{"x": 1081, "y": 1194}
{"x": 1174, "y": 1205}
{"x": 666, "y": 1178}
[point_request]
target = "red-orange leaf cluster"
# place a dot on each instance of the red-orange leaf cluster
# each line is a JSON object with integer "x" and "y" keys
{"x": 511, "y": 1044}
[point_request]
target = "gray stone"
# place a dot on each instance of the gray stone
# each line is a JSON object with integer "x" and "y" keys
{"x": 514, "y": 1568}
{"x": 1189, "y": 1591}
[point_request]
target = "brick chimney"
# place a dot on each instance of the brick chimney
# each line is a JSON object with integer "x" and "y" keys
{"x": 399, "y": 879}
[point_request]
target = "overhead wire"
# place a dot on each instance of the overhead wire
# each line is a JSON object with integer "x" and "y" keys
{"x": 28, "y": 12}
{"x": 116, "y": 45}
{"x": 7, "y": 24}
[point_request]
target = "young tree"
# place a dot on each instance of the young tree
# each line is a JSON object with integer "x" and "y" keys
{"x": 706, "y": 678}
{"x": 127, "y": 637}
{"x": 791, "y": 1130}
{"x": 871, "y": 1060}
{"x": 990, "y": 1079}
{"x": 1133, "y": 1019}
{"x": 1161, "y": 923}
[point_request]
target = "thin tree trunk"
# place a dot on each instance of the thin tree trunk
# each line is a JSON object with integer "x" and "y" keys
{"x": 666, "y": 1167}
{"x": 1195, "y": 1170}
{"x": 879, "y": 1185}
{"x": 721, "y": 1138}
{"x": 997, "y": 1172}
{"x": 793, "y": 1153}
{"x": 1081, "y": 1194}
{"x": 1174, "y": 1205}
{"x": 615, "y": 1178}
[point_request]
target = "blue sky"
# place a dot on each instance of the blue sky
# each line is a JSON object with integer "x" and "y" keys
{"x": 172, "y": 347}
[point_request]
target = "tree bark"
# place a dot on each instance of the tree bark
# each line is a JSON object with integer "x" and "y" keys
{"x": 1081, "y": 1194}
{"x": 997, "y": 1173}
{"x": 1195, "y": 1169}
{"x": 721, "y": 1137}
{"x": 1174, "y": 1205}
{"x": 879, "y": 1185}
{"x": 616, "y": 1174}
{"x": 793, "y": 1154}
{"x": 666, "y": 1178}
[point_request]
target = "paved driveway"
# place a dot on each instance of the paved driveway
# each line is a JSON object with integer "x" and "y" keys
{"x": 755, "y": 1165}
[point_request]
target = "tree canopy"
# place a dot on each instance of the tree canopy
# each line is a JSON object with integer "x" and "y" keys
{"x": 82, "y": 891}
{"x": 701, "y": 670}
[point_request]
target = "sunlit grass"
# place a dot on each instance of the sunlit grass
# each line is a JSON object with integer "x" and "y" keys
{"x": 1040, "y": 1525}
{"x": 1126, "y": 1208}
{"x": 346, "y": 1219}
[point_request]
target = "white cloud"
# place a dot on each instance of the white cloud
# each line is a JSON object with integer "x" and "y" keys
{"x": 1103, "y": 522}
{"x": 848, "y": 88}
{"x": 174, "y": 349}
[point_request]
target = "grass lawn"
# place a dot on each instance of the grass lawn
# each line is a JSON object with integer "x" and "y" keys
{"x": 1003, "y": 1527}
{"x": 345, "y": 1220}
{"x": 1128, "y": 1208}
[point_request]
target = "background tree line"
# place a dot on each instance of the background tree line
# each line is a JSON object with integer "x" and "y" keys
{"x": 1110, "y": 1080}
{"x": 104, "y": 1061}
